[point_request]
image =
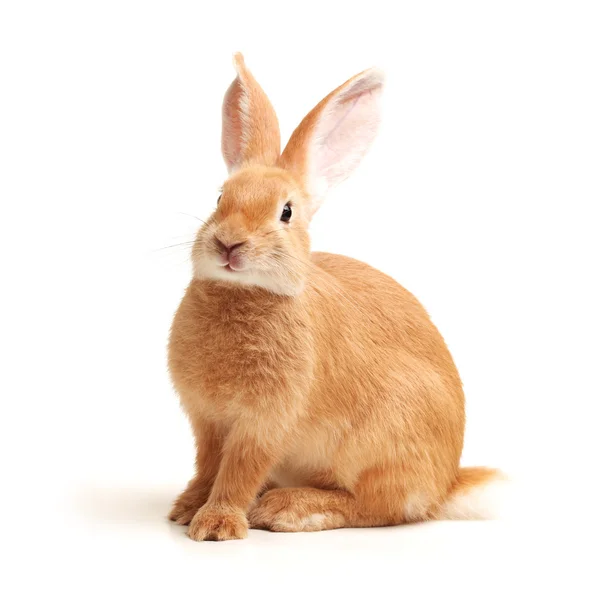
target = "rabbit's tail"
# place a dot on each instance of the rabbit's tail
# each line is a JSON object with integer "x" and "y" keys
{"x": 477, "y": 493}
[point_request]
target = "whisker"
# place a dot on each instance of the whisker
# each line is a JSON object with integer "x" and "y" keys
{"x": 191, "y": 243}
{"x": 193, "y": 217}
{"x": 274, "y": 231}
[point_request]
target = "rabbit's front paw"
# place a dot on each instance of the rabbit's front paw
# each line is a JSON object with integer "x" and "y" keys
{"x": 182, "y": 513}
{"x": 187, "y": 505}
{"x": 218, "y": 524}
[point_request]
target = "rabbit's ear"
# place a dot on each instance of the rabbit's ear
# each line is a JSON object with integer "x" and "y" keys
{"x": 332, "y": 139}
{"x": 250, "y": 127}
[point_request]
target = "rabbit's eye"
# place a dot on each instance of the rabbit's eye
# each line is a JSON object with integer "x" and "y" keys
{"x": 286, "y": 215}
{"x": 219, "y": 199}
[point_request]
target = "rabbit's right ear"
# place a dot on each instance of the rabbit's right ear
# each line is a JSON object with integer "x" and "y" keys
{"x": 332, "y": 139}
{"x": 250, "y": 127}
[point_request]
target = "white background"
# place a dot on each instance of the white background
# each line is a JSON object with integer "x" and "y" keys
{"x": 480, "y": 196}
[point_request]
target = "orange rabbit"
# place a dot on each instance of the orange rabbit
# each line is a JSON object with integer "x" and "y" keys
{"x": 319, "y": 392}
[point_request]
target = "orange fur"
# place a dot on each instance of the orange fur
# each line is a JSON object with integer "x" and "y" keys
{"x": 259, "y": 143}
{"x": 308, "y": 371}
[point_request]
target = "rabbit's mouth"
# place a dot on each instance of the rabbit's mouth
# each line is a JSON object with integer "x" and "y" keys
{"x": 234, "y": 264}
{"x": 231, "y": 269}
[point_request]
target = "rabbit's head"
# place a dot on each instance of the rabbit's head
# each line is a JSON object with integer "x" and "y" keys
{"x": 258, "y": 233}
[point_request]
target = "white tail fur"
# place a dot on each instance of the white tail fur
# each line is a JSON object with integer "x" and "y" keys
{"x": 479, "y": 493}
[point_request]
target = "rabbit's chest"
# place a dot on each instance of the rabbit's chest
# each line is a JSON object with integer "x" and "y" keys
{"x": 221, "y": 360}
{"x": 233, "y": 363}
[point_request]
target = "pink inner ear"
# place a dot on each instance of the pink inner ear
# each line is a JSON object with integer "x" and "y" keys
{"x": 344, "y": 134}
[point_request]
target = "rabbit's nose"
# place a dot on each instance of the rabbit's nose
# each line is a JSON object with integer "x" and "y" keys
{"x": 227, "y": 249}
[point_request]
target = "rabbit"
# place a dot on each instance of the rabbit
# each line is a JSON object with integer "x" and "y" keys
{"x": 319, "y": 392}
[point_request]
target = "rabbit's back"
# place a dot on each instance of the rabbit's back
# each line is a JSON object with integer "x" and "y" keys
{"x": 376, "y": 312}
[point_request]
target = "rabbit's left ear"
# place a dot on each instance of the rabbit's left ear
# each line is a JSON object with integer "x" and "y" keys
{"x": 250, "y": 127}
{"x": 333, "y": 138}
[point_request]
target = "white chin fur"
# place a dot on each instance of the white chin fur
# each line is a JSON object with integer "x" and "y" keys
{"x": 246, "y": 277}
